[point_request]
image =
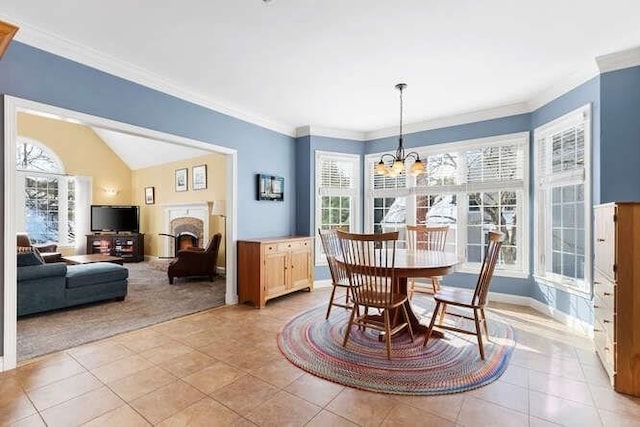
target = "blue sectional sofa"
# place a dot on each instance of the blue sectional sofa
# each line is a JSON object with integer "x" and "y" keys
{"x": 44, "y": 287}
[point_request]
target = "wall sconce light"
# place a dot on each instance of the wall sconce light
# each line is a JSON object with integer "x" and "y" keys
{"x": 111, "y": 192}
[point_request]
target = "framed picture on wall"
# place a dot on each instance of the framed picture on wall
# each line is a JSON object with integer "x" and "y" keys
{"x": 199, "y": 177}
{"x": 181, "y": 179}
{"x": 149, "y": 195}
{"x": 270, "y": 187}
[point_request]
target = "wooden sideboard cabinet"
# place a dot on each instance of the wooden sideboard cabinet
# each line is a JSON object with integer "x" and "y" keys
{"x": 616, "y": 288}
{"x": 271, "y": 267}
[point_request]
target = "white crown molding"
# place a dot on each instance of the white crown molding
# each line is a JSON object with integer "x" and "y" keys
{"x": 330, "y": 133}
{"x": 619, "y": 60}
{"x": 88, "y": 56}
{"x": 563, "y": 86}
{"x": 458, "y": 119}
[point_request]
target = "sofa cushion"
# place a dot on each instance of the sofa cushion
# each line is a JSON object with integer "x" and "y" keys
{"x": 28, "y": 256}
{"x": 94, "y": 273}
{"x": 41, "y": 271}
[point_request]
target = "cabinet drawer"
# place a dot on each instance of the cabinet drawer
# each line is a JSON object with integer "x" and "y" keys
{"x": 605, "y": 319}
{"x": 293, "y": 246}
{"x": 270, "y": 248}
{"x": 604, "y": 290}
{"x": 605, "y": 349}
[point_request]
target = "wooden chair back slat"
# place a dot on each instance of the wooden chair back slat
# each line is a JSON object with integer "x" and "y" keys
{"x": 369, "y": 260}
{"x": 488, "y": 265}
{"x": 427, "y": 237}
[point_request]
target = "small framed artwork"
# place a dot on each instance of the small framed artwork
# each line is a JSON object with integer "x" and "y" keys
{"x": 199, "y": 177}
{"x": 270, "y": 187}
{"x": 149, "y": 195}
{"x": 181, "y": 179}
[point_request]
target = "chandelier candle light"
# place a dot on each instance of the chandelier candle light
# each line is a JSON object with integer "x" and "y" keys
{"x": 398, "y": 160}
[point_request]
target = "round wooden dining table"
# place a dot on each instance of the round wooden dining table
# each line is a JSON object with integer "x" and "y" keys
{"x": 419, "y": 264}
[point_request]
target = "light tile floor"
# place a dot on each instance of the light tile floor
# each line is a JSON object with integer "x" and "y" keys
{"x": 223, "y": 367}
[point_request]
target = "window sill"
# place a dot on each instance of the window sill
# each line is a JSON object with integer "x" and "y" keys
{"x": 562, "y": 286}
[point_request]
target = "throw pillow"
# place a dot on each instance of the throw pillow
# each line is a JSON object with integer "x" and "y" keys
{"x": 28, "y": 256}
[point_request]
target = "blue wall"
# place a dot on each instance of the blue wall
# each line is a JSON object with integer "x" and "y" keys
{"x": 620, "y": 134}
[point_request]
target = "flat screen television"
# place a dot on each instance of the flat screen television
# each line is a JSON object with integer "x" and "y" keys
{"x": 115, "y": 218}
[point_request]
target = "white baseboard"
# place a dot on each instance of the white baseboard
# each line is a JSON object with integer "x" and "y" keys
{"x": 573, "y": 323}
{"x": 1, "y": 364}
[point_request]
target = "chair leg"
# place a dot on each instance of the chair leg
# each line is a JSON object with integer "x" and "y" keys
{"x": 411, "y": 283}
{"x": 431, "y": 324}
{"x": 484, "y": 322}
{"x": 406, "y": 319}
{"x": 478, "y": 333}
{"x": 387, "y": 327}
{"x": 346, "y": 335}
{"x": 442, "y": 313}
{"x": 435, "y": 284}
{"x": 333, "y": 292}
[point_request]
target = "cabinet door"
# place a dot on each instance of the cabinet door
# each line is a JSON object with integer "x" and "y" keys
{"x": 605, "y": 234}
{"x": 275, "y": 273}
{"x": 301, "y": 267}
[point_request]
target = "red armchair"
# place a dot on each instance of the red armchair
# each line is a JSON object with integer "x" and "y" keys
{"x": 196, "y": 261}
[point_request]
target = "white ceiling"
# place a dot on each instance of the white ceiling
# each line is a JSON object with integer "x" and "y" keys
{"x": 334, "y": 63}
{"x": 138, "y": 152}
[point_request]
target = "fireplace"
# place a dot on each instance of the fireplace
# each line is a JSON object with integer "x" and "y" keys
{"x": 186, "y": 226}
{"x": 185, "y": 240}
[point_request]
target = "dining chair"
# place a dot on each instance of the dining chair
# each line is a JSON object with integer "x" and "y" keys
{"x": 339, "y": 279}
{"x": 475, "y": 300}
{"x": 369, "y": 260}
{"x": 428, "y": 238}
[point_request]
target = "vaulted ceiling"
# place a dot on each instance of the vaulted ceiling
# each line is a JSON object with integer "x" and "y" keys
{"x": 334, "y": 63}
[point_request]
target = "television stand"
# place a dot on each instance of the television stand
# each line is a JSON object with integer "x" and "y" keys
{"x": 128, "y": 246}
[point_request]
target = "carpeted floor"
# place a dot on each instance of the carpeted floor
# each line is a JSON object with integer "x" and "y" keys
{"x": 150, "y": 300}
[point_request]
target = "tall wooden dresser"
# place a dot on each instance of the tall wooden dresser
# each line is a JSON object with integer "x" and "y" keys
{"x": 616, "y": 286}
{"x": 271, "y": 267}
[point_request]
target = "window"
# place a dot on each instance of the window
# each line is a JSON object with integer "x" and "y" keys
{"x": 563, "y": 201}
{"x": 337, "y": 190}
{"x": 471, "y": 186}
{"x": 47, "y": 195}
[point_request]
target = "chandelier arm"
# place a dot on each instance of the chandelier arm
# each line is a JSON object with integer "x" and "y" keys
{"x": 416, "y": 156}
{"x": 382, "y": 157}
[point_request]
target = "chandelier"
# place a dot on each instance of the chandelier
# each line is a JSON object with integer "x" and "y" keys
{"x": 396, "y": 162}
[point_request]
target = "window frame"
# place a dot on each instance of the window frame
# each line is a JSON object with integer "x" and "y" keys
{"x": 62, "y": 180}
{"x": 461, "y": 190}
{"x": 542, "y": 226}
{"x": 353, "y": 193}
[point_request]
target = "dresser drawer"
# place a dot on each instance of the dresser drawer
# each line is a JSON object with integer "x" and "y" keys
{"x": 604, "y": 290}
{"x": 605, "y": 318}
{"x": 605, "y": 349}
{"x": 293, "y": 246}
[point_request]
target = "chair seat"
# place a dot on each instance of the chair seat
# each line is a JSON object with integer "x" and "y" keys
{"x": 454, "y": 296}
{"x": 379, "y": 299}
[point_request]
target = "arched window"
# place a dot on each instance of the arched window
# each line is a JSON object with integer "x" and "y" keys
{"x": 48, "y": 196}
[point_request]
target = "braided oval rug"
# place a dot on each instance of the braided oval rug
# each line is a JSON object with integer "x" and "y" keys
{"x": 449, "y": 365}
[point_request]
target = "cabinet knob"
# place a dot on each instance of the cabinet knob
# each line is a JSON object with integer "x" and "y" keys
{"x": 595, "y": 282}
{"x": 607, "y": 294}
{"x": 606, "y": 321}
{"x": 599, "y": 239}
{"x": 596, "y": 306}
